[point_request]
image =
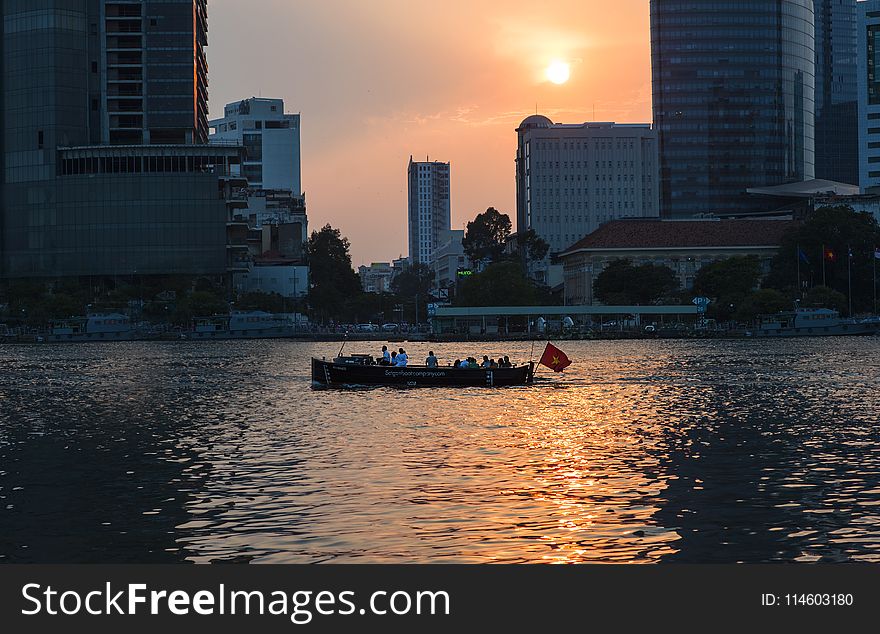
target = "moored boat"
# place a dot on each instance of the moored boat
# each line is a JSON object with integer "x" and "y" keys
{"x": 363, "y": 370}
{"x": 812, "y": 322}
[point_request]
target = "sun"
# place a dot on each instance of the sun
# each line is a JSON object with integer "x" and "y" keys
{"x": 558, "y": 71}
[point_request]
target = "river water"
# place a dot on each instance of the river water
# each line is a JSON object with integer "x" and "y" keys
{"x": 644, "y": 451}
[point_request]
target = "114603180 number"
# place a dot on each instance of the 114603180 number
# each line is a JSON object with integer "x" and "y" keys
{"x": 817, "y": 599}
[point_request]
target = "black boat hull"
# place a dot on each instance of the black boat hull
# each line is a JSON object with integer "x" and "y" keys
{"x": 329, "y": 374}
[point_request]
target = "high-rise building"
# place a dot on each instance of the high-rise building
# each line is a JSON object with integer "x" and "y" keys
{"x": 154, "y": 75}
{"x": 571, "y": 178}
{"x": 837, "y": 128}
{"x": 102, "y": 119}
{"x": 429, "y": 208}
{"x": 869, "y": 95}
{"x": 733, "y": 87}
{"x": 271, "y": 139}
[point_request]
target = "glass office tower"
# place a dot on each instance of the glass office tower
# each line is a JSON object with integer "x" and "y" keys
{"x": 733, "y": 86}
{"x": 837, "y": 111}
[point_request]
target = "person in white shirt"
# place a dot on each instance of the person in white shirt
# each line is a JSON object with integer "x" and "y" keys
{"x": 386, "y": 356}
{"x": 431, "y": 361}
{"x": 402, "y": 358}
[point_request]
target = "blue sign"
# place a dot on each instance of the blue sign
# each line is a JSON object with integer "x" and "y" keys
{"x": 702, "y": 301}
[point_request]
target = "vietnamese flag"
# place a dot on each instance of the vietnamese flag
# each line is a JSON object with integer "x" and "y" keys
{"x": 554, "y": 358}
{"x": 830, "y": 255}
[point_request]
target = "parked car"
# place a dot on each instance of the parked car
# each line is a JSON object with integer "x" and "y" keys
{"x": 365, "y": 328}
{"x": 390, "y": 328}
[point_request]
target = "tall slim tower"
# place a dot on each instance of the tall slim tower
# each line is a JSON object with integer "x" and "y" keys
{"x": 837, "y": 112}
{"x": 154, "y": 71}
{"x": 734, "y": 86}
{"x": 429, "y": 209}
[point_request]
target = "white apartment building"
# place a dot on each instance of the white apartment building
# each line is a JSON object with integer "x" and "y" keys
{"x": 271, "y": 138}
{"x": 869, "y": 95}
{"x": 572, "y": 178}
{"x": 429, "y": 209}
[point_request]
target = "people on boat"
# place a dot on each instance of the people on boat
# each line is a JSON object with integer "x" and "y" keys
{"x": 431, "y": 361}
{"x": 393, "y": 359}
{"x": 386, "y": 356}
{"x": 507, "y": 363}
{"x": 457, "y": 363}
{"x": 486, "y": 362}
{"x": 402, "y": 358}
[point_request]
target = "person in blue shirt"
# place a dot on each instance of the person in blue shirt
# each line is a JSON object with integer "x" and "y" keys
{"x": 386, "y": 356}
{"x": 431, "y": 361}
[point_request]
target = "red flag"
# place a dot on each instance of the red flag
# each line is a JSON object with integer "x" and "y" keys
{"x": 830, "y": 255}
{"x": 554, "y": 358}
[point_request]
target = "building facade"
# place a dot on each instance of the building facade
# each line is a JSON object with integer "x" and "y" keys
{"x": 377, "y": 277}
{"x": 685, "y": 246}
{"x": 429, "y": 208}
{"x": 449, "y": 258}
{"x": 572, "y": 178}
{"x": 869, "y": 95}
{"x": 88, "y": 191}
{"x": 733, "y": 93}
{"x": 271, "y": 140}
{"x": 837, "y": 111}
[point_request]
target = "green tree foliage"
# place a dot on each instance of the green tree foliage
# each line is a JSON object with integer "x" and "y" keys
{"x": 199, "y": 304}
{"x": 824, "y": 297}
{"x": 333, "y": 281}
{"x": 412, "y": 289}
{"x": 267, "y": 302}
{"x": 501, "y": 284}
{"x": 531, "y": 246}
{"x": 766, "y": 301}
{"x": 836, "y": 229}
{"x": 729, "y": 277}
{"x": 485, "y": 236}
{"x": 622, "y": 283}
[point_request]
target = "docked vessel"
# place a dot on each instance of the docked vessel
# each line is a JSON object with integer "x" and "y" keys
{"x": 94, "y": 327}
{"x": 812, "y": 322}
{"x": 363, "y": 370}
{"x": 243, "y": 325}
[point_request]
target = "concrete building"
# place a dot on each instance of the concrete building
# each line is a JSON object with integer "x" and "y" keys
{"x": 377, "y": 277}
{"x": 685, "y": 246}
{"x": 869, "y": 95}
{"x": 429, "y": 208}
{"x": 103, "y": 115}
{"x": 571, "y": 178}
{"x": 837, "y": 112}
{"x": 733, "y": 94}
{"x": 271, "y": 140}
{"x": 449, "y": 258}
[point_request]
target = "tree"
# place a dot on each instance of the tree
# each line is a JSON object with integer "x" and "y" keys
{"x": 333, "y": 281}
{"x": 621, "y": 283}
{"x": 732, "y": 276}
{"x": 501, "y": 284}
{"x": 824, "y": 297}
{"x": 531, "y": 246}
{"x": 766, "y": 301}
{"x": 412, "y": 288}
{"x": 484, "y": 239}
{"x": 836, "y": 230}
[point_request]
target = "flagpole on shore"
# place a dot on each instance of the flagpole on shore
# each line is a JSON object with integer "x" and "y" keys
{"x": 849, "y": 277}
{"x": 823, "y": 265}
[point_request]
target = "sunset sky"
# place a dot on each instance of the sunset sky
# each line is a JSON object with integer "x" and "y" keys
{"x": 378, "y": 81}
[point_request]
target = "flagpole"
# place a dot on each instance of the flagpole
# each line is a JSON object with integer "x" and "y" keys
{"x": 798, "y": 256}
{"x": 823, "y": 266}
{"x": 849, "y": 277}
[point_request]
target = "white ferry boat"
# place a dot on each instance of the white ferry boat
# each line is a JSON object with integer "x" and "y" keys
{"x": 243, "y": 325}
{"x": 812, "y": 322}
{"x": 94, "y": 327}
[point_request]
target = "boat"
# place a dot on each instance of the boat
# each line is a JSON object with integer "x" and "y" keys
{"x": 93, "y": 327}
{"x": 243, "y": 325}
{"x": 812, "y": 322}
{"x": 361, "y": 369}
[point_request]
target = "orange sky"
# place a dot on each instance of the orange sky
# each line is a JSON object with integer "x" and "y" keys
{"x": 377, "y": 81}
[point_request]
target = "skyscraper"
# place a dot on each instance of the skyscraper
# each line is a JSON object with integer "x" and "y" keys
{"x": 103, "y": 129}
{"x": 429, "y": 208}
{"x": 837, "y": 134}
{"x": 869, "y": 95}
{"x": 733, "y": 86}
